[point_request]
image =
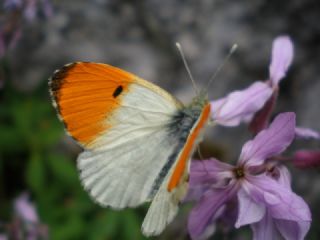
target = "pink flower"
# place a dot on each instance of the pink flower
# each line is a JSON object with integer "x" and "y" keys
{"x": 256, "y": 102}
{"x": 281, "y": 59}
{"x": 282, "y": 55}
{"x": 261, "y": 191}
{"x": 241, "y": 105}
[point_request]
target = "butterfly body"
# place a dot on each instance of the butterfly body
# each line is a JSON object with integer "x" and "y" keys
{"x": 138, "y": 139}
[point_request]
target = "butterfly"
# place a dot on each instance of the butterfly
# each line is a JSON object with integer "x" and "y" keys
{"x": 137, "y": 138}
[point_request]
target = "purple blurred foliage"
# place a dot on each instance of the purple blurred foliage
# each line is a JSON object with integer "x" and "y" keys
{"x": 2, "y": 45}
{"x": 17, "y": 13}
{"x": 25, "y": 210}
{"x": 47, "y": 8}
{"x": 29, "y": 8}
{"x": 12, "y": 23}
{"x": 25, "y": 223}
{"x": 3, "y": 237}
{"x": 9, "y": 38}
{"x": 12, "y": 4}
{"x": 10, "y": 34}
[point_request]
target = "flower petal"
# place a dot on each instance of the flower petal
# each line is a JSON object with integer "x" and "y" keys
{"x": 291, "y": 230}
{"x": 265, "y": 229}
{"x": 282, "y": 55}
{"x": 281, "y": 202}
{"x": 205, "y": 173}
{"x": 262, "y": 118}
{"x": 207, "y": 209}
{"x": 302, "y": 132}
{"x": 306, "y": 159}
{"x": 230, "y": 214}
{"x": 279, "y": 173}
{"x": 239, "y": 106}
{"x": 208, "y": 171}
{"x": 249, "y": 210}
{"x": 25, "y": 209}
{"x": 269, "y": 142}
{"x": 210, "y": 229}
{"x": 284, "y": 177}
{"x": 285, "y": 210}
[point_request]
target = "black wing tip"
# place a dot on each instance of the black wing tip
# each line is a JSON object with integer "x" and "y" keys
{"x": 57, "y": 79}
{"x": 55, "y": 83}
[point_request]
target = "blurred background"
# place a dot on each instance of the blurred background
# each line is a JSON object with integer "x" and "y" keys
{"x": 38, "y": 160}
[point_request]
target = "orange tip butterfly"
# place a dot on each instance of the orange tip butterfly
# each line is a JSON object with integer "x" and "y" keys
{"x": 137, "y": 138}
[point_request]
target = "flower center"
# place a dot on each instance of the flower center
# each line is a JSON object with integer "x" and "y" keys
{"x": 238, "y": 172}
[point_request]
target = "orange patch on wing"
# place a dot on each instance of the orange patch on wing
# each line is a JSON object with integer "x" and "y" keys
{"x": 85, "y": 94}
{"x": 188, "y": 147}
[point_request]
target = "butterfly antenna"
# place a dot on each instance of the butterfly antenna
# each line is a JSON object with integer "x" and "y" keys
{"x": 215, "y": 74}
{"x": 187, "y": 67}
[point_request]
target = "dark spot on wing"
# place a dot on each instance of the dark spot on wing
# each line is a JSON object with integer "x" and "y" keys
{"x": 118, "y": 91}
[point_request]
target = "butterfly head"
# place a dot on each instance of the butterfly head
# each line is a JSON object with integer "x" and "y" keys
{"x": 200, "y": 100}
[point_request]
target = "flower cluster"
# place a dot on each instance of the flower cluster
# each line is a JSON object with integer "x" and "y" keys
{"x": 257, "y": 190}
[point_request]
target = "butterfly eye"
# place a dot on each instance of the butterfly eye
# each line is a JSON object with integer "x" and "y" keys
{"x": 118, "y": 91}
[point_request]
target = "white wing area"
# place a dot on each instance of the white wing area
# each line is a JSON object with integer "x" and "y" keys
{"x": 161, "y": 212}
{"x": 124, "y": 175}
{"x": 142, "y": 111}
{"x": 126, "y": 160}
{"x": 163, "y": 208}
